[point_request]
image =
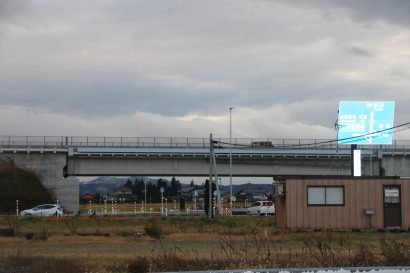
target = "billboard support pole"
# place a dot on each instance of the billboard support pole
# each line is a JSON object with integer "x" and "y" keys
{"x": 352, "y": 148}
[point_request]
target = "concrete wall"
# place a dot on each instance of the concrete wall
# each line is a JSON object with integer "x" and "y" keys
{"x": 199, "y": 166}
{"x": 253, "y": 166}
{"x": 396, "y": 166}
{"x": 49, "y": 168}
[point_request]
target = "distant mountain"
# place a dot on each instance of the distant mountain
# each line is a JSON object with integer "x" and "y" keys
{"x": 251, "y": 186}
{"x": 104, "y": 185}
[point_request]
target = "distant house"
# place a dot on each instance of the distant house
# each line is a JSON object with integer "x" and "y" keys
{"x": 252, "y": 194}
{"x": 86, "y": 198}
{"x": 187, "y": 193}
{"x": 122, "y": 190}
{"x": 123, "y": 193}
{"x": 191, "y": 192}
{"x": 225, "y": 195}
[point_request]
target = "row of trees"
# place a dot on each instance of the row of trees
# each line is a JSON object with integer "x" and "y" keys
{"x": 170, "y": 190}
{"x": 154, "y": 189}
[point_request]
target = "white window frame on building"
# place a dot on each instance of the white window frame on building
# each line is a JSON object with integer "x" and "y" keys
{"x": 325, "y": 195}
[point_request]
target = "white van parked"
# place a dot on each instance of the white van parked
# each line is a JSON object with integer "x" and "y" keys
{"x": 262, "y": 208}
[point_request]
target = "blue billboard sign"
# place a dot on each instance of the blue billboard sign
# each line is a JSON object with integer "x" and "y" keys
{"x": 365, "y": 122}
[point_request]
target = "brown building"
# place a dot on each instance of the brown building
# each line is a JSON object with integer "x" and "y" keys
{"x": 343, "y": 203}
{"x": 86, "y": 198}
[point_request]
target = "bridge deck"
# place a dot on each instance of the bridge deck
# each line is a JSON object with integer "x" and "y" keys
{"x": 63, "y": 142}
{"x": 101, "y": 151}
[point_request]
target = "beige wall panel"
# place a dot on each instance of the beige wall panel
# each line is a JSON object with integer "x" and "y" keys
{"x": 293, "y": 206}
{"x": 359, "y": 209}
{"x": 351, "y": 200}
{"x": 300, "y": 213}
{"x": 379, "y": 220}
{"x": 306, "y": 212}
{"x": 373, "y": 199}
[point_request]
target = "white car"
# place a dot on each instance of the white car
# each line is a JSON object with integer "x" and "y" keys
{"x": 44, "y": 210}
{"x": 262, "y": 208}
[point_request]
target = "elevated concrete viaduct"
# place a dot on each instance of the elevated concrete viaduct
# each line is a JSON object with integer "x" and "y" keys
{"x": 58, "y": 160}
{"x": 195, "y": 162}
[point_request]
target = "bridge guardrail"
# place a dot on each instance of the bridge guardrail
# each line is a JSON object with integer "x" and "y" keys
{"x": 50, "y": 142}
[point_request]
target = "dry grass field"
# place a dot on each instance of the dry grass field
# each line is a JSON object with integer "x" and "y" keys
{"x": 144, "y": 244}
{"x": 155, "y": 207}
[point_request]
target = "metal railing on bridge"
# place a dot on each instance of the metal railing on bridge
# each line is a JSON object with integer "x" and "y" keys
{"x": 63, "y": 142}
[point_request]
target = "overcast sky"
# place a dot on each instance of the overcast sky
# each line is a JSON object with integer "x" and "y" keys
{"x": 173, "y": 68}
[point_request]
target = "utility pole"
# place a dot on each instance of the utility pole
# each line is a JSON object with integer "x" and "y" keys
{"x": 218, "y": 192}
{"x": 213, "y": 176}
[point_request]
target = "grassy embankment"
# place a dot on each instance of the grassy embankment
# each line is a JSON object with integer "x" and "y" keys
{"x": 114, "y": 244}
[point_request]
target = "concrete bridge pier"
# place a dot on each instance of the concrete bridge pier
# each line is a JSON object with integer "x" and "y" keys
{"x": 49, "y": 168}
{"x": 396, "y": 165}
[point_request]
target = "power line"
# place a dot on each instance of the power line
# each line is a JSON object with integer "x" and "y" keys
{"x": 394, "y": 128}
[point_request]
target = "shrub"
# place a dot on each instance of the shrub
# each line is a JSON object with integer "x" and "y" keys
{"x": 139, "y": 265}
{"x": 394, "y": 252}
{"x": 35, "y": 264}
{"x": 363, "y": 257}
{"x": 154, "y": 228}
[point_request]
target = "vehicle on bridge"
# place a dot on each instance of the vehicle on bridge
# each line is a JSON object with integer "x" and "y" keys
{"x": 262, "y": 208}
{"x": 44, "y": 210}
{"x": 262, "y": 144}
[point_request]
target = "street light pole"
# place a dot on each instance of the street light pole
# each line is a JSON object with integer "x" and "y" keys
{"x": 230, "y": 159}
{"x": 211, "y": 168}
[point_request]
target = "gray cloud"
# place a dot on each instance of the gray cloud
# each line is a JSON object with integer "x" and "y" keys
{"x": 8, "y": 8}
{"x": 395, "y": 11}
{"x": 179, "y": 59}
{"x": 357, "y": 51}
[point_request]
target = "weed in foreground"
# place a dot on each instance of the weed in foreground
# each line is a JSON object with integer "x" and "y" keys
{"x": 395, "y": 252}
{"x": 154, "y": 229}
{"x": 33, "y": 264}
{"x": 139, "y": 265}
{"x": 364, "y": 257}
